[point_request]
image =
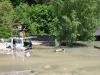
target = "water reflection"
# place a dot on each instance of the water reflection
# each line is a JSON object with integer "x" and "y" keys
{"x": 7, "y": 51}
{"x": 17, "y": 54}
{"x": 20, "y": 54}
{"x": 11, "y": 52}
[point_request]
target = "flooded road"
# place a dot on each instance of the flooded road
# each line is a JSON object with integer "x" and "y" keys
{"x": 75, "y": 61}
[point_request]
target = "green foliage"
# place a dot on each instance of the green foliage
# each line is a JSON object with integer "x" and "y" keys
{"x": 30, "y": 2}
{"x": 76, "y": 19}
{"x": 69, "y": 20}
{"x": 88, "y": 16}
{"x": 42, "y": 16}
{"x": 37, "y": 18}
{"x": 22, "y": 15}
{"x": 5, "y": 32}
{"x": 42, "y": 1}
{"x": 6, "y": 18}
{"x": 6, "y": 12}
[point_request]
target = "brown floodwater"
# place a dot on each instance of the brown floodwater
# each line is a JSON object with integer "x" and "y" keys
{"x": 75, "y": 61}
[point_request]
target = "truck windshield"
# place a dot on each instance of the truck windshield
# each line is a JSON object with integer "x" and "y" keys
{"x": 18, "y": 41}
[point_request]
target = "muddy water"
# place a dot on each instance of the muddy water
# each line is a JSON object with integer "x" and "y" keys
{"x": 75, "y": 61}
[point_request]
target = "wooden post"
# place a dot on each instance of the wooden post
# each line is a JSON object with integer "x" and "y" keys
{"x": 22, "y": 33}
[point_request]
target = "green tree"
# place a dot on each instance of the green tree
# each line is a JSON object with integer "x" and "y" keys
{"x": 38, "y": 18}
{"x": 22, "y": 15}
{"x": 6, "y": 19}
{"x": 42, "y": 17}
{"x": 30, "y": 2}
{"x": 87, "y": 12}
{"x": 76, "y": 19}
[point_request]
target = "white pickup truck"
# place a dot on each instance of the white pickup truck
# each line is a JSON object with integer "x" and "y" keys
{"x": 19, "y": 43}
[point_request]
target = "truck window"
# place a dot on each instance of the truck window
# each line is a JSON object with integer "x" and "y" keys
{"x": 9, "y": 40}
{"x": 18, "y": 41}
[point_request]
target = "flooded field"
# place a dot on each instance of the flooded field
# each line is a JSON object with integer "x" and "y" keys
{"x": 75, "y": 61}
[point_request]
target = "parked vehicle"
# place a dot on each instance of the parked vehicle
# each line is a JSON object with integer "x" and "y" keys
{"x": 2, "y": 40}
{"x": 19, "y": 43}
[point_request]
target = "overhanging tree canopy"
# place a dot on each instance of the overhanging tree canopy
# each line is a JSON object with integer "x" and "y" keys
{"x": 76, "y": 19}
